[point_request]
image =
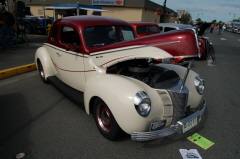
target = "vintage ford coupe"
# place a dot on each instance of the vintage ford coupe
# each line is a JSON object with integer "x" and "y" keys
{"x": 98, "y": 63}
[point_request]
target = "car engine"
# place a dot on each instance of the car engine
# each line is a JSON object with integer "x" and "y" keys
{"x": 146, "y": 71}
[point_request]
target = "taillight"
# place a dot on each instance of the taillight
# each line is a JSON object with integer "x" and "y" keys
{"x": 37, "y": 20}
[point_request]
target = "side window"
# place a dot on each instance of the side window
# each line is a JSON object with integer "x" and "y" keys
{"x": 54, "y": 34}
{"x": 99, "y": 35}
{"x": 69, "y": 36}
{"x": 168, "y": 29}
{"x": 126, "y": 33}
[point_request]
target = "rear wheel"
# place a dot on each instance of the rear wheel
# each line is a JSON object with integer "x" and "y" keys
{"x": 28, "y": 29}
{"x": 105, "y": 121}
{"x": 41, "y": 72}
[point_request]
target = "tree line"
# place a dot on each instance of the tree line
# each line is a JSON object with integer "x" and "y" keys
{"x": 187, "y": 18}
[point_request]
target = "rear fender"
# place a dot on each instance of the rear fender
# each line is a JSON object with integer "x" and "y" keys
{"x": 42, "y": 55}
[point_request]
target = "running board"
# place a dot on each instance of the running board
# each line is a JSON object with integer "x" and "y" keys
{"x": 72, "y": 94}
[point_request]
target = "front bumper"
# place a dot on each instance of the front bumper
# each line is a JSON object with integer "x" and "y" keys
{"x": 178, "y": 128}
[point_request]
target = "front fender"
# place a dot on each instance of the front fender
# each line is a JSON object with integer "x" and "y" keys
{"x": 118, "y": 93}
{"x": 194, "y": 99}
{"x": 42, "y": 55}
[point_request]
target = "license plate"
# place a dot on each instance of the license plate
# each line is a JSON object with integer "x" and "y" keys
{"x": 190, "y": 124}
{"x": 157, "y": 125}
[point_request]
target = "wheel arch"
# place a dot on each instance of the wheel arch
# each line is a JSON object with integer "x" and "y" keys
{"x": 118, "y": 93}
{"x": 42, "y": 56}
{"x": 91, "y": 104}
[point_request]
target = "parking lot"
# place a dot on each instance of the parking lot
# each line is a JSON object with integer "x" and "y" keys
{"x": 41, "y": 122}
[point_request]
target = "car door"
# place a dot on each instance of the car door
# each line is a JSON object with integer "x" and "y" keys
{"x": 67, "y": 58}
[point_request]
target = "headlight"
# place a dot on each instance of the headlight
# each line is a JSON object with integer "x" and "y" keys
{"x": 142, "y": 103}
{"x": 199, "y": 84}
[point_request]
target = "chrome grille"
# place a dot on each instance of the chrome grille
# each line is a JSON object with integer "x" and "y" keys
{"x": 179, "y": 101}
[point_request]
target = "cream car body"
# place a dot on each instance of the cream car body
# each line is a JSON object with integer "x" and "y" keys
{"x": 122, "y": 83}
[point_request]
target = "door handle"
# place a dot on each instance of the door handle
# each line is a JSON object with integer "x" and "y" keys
{"x": 58, "y": 54}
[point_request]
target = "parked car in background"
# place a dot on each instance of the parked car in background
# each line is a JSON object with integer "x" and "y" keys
{"x": 165, "y": 27}
{"x": 97, "y": 62}
{"x": 200, "y": 27}
{"x": 145, "y": 28}
{"x": 236, "y": 27}
{"x": 32, "y": 24}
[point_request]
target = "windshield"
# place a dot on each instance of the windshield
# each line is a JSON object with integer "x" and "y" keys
{"x": 107, "y": 34}
{"x": 148, "y": 29}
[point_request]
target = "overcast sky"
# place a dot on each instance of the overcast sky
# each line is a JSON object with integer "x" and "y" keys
{"x": 207, "y": 10}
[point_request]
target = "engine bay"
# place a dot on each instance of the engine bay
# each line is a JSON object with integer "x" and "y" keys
{"x": 147, "y": 71}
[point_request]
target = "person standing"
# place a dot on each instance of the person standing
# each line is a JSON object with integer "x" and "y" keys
{"x": 8, "y": 22}
{"x": 220, "y": 28}
{"x": 211, "y": 28}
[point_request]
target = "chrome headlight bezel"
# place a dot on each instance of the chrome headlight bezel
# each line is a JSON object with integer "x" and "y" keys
{"x": 199, "y": 84}
{"x": 142, "y": 103}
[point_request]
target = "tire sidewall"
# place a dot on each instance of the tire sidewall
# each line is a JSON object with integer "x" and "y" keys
{"x": 40, "y": 69}
{"x": 115, "y": 131}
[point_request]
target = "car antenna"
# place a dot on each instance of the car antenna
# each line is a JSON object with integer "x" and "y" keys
{"x": 185, "y": 76}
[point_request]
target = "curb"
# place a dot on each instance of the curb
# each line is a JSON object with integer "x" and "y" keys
{"x": 17, "y": 70}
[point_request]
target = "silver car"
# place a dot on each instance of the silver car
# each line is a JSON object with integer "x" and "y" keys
{"x": 165, "y": 27}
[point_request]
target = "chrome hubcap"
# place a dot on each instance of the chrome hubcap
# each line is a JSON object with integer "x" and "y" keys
{"x": 104, "y": 118}
{"x": 42, "y": 74}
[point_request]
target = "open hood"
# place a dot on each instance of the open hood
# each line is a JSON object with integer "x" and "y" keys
{"x": 113, "y": 56}
{"x": 181, "y": 43}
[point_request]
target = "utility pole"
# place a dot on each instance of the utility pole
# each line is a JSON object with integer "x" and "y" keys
{"x": 44, "y": 16}
{"x": 163, "y": 15}
{"x": 233, "y": 14}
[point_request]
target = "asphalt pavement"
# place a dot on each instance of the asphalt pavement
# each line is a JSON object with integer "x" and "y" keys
{"x": 40, "y": 122}
{"x": 13, "y": 62}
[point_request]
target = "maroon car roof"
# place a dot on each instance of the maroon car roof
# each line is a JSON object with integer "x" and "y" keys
{"x": 90, "y": 20}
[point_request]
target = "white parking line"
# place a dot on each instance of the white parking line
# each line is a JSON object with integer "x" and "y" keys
{"x": 238, "y": 39}
{"x": 223, "y": 39}
{"x": 206, "y": 37}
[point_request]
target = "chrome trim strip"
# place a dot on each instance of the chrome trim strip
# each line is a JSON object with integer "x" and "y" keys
{"x": 141, "y": 46}
{"x": 68, "y": 52}
{"x": 185, "y": 56}
{"x": 145, "y": 136}
{"x": 178, "y": 128}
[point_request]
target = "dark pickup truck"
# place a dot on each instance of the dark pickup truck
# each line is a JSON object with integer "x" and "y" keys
{"x": 32, "y": 24}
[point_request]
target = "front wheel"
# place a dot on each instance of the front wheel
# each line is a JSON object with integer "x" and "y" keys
{"x": 105, "y": 121}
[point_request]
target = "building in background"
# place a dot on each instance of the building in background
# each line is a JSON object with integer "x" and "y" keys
{"x": 128, "y": 10}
